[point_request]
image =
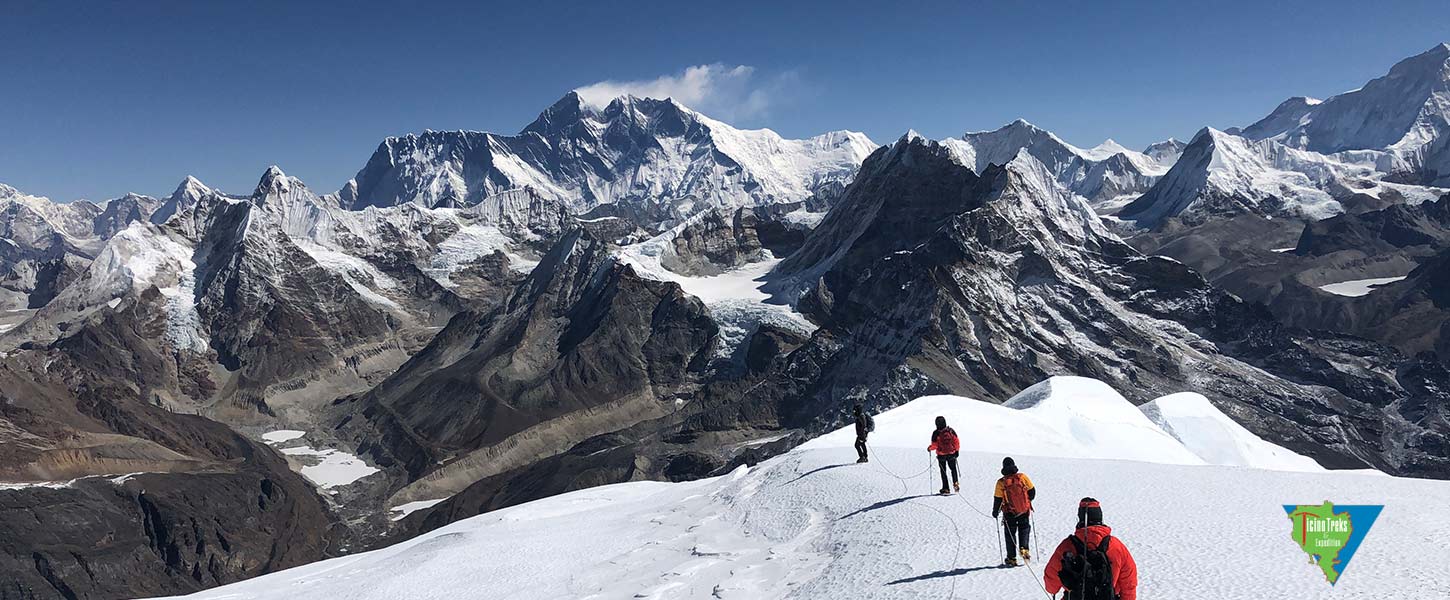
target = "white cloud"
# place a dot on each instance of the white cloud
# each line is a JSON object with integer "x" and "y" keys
{"x": 717, "y": 90}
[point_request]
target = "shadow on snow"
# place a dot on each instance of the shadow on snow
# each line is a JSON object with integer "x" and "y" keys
{"x": 951, "y": 573}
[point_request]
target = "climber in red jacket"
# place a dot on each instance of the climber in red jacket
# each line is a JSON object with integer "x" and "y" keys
{"x": 944, "y": 441}
{"x": 1091, "y": 564}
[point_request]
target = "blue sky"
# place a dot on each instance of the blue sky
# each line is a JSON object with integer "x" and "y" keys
{"x": 103, "y": 98}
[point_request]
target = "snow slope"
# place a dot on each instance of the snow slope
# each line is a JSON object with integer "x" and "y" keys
{"x": 813, "y": 524}
{"x": 1217, "y": 439}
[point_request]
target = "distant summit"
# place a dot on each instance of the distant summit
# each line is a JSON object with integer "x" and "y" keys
{"x": 654, "y": 159}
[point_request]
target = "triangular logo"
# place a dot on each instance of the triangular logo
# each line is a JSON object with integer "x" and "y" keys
{"x": 1330, "y": 534}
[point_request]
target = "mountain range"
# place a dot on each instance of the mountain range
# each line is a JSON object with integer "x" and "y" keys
{"x": 214, "y": 386}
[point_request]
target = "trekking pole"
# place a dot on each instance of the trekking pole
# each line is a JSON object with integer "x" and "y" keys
{"x": 928, "y": 471}
{"x": 1036, "y": 541}
{"x": 1001, "y": 541}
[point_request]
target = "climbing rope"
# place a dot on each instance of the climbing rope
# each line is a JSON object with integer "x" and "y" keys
{"x": 954, "y": 523}
{"x": 1001, "y": 542}
{"x": 871, "y": 450}
{"x": 905, "y": 490}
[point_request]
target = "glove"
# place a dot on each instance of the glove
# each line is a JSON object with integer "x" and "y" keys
{"x": 995, "y": 513}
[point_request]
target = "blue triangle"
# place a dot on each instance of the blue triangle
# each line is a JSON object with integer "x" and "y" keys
{"x": 1362, "y": 516}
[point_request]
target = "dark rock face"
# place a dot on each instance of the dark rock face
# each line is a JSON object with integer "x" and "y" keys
{"x": 153, "y": 535}
{"x": 714, "y": 242}
{"x": 1398, "y": 226}
{"x": 583, "y": 346}
{"x": 122, "y": 212}
{"x": 274, "y": 324}
{"x": 1383, "y": 243}
{"x": 208, "y": 506}
{"x": 1413, "y": 314}
{"x": 1001, "y": 284}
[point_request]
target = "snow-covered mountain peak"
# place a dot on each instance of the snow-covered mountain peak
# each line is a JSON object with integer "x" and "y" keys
{"x": 1400, "y": 118}
{"x": 565, "y": 113}
{"x": 658, "y": 160}
{"x": 1165, "y": 152}
{"x": 1019, "y": 124}
{"x": 191, "y": 187}
{"x": 1108, "y": 148}
{"x": 187, "y": 194}
{"x": 1220, "y": 173}
{"x": 8, "y": 192}
{"x": 1107, "y": 175}
{"x": 1433, "y": 62}
{"x": 1030, "y": 186}
{"x": 274, "y": 181}
{"x": 1287, "y": 115}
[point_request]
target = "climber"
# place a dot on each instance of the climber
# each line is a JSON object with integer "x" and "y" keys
{"x": 944, "y": 441}
{"x": 864, "y": 426}
{"x": 1091, "y": 564}
{"x": 1013, "y": 501}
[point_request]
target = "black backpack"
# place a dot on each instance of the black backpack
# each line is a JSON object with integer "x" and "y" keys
{"x": 1088, "y": 574}
{"x": 870, "y": 424}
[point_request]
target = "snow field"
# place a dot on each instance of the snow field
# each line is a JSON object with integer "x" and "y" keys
{"x": 813, "y": 524}
{"x": 1358, "y": 287}
{"x": 328, "y": 468}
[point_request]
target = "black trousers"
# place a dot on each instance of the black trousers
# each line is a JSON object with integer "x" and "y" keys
{"x": 861, "y": 446}
{"x": 1017, "y": 529}
{"x": 944, "y": 461}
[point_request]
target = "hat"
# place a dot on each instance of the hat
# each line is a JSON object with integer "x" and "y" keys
{"x": 1008, "y": 463}
{"x": 941, "y": 422}
{"x": 1089, "y": 512}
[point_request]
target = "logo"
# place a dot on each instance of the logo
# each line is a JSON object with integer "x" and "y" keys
{"x": 1331, "y": 534}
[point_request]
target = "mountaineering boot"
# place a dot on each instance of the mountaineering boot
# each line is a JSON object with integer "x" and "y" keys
{"x": 862, "y": 459}
{"x": 1010, "y": 562}
{"x": 1026, "y": 555}
{"x": 957, "y": 486}
{"x": 945, "y": 492}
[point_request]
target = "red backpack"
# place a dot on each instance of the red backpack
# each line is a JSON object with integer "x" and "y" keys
{"x": 947, "y": 442}
{"x": 1014, "y": 495}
